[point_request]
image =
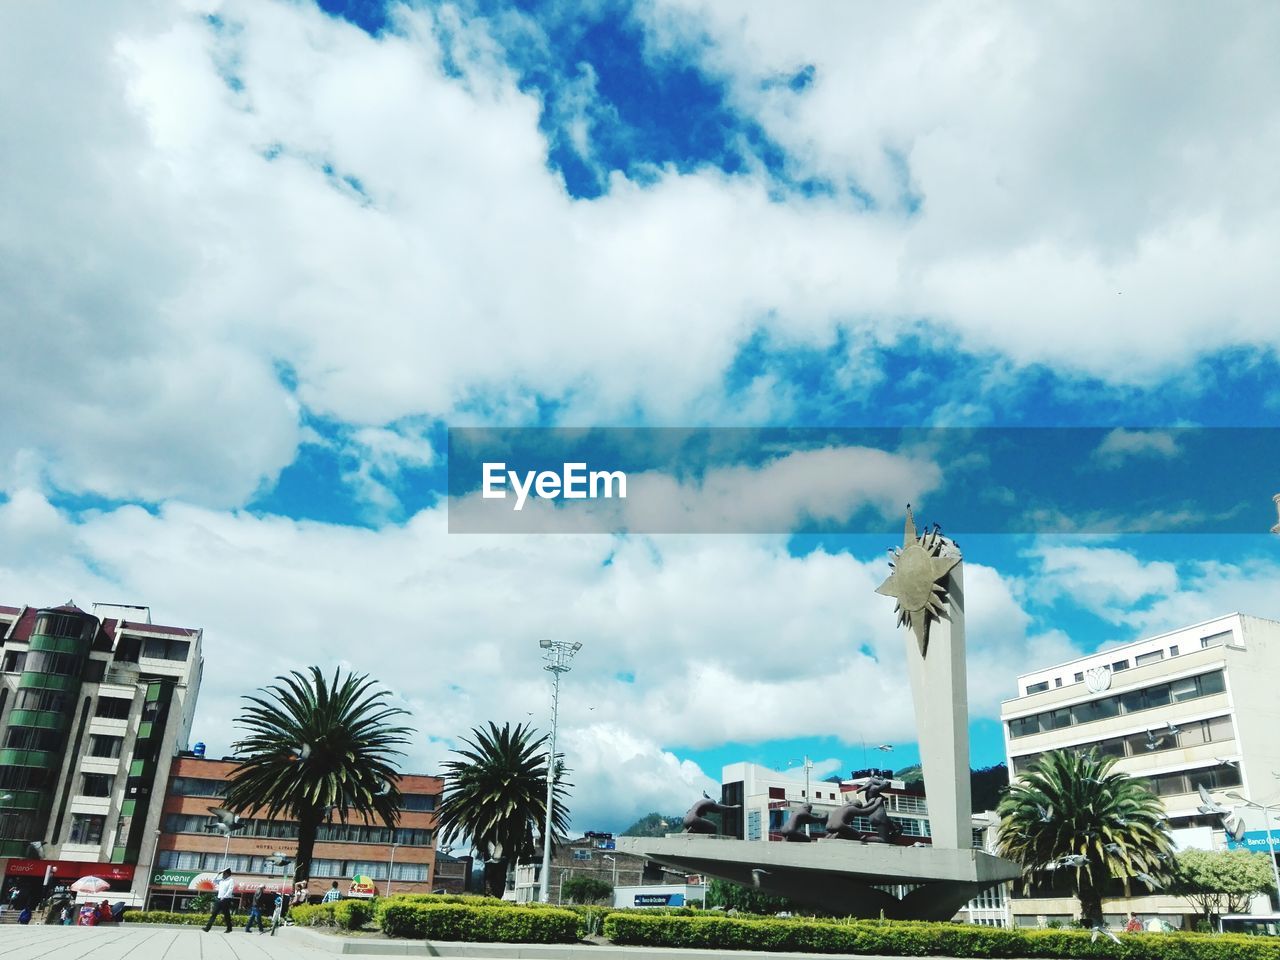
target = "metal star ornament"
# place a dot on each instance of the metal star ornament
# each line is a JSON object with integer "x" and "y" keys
{"x": 916, "y": 582}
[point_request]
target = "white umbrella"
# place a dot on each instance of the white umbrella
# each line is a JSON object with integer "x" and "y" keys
{"x": 90, "y": 885}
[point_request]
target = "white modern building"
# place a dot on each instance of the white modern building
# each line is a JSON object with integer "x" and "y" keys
{"x": 768, "y": 797}
{"x": 1193, "y": 707}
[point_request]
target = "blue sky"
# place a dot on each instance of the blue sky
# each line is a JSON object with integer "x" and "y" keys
{"x": 271, "y": 252}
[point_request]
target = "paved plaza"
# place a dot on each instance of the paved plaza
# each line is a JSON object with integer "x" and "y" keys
{"x": 146, "y": 942}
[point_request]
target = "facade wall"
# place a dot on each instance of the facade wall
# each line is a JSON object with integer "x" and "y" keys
{"x": 187, "y": 848}
{"x": 92, "y": 710}
{"x": 1195, "y": 706}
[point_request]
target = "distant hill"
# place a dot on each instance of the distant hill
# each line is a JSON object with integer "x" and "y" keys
{"x": 654, "y": 825}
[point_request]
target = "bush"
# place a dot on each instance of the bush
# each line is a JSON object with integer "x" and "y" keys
{"x": 353, "y": 914}
{"x": 586, "y": 890}
{"x": 187, "y": 919}
{"x": 921, "y": 939}
{"x": 313, "y": 915}
{"x": 478, "y": 924}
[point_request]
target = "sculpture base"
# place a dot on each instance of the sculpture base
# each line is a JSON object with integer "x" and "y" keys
{"x": 840, "y": 876}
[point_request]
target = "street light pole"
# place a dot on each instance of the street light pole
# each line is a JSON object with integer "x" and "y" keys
{"x": 614, "y": 861}
{"x": 391, "y": 868}
{"x": 557, "y": 653}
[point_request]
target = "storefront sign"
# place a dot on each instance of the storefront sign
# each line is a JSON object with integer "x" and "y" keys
{"x": 1256, "y": 840}
{"x": 173, "y": 878}
{"x": 659, "y": 900}
{"x": 68, "y": 869}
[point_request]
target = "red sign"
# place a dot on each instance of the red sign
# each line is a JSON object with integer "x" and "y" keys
{"x": 69, "y": 869}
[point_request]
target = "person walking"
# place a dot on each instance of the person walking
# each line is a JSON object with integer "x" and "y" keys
{"x": 222, "y": 902}
{"x": 331, "y": 895}
{"x": 255, "y": 908}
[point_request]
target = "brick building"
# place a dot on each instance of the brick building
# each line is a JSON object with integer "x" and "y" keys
{"x": 404, "y": 863}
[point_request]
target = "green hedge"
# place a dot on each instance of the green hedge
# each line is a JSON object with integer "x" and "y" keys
{"x": 313, "y": 915}
{"x": 347, "y": 914}
{"x": 922, "y": 939}
{"x": 477, "y": 924}
{"x": 188, "y": 919}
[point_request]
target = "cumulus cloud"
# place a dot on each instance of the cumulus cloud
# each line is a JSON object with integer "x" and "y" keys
{"x": 237, "y": 189}
{"x": 1120, "y": 445}
{"x": 688, "y": 643}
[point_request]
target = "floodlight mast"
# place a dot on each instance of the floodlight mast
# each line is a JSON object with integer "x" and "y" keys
{"x": 558, "y": 655}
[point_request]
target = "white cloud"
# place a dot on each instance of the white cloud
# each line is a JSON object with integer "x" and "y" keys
{"x": 1120, "y": 445}
{"x": 286, "y": 190}
{"x": 687, "y": 642}
{"x": 1109, "y": 582}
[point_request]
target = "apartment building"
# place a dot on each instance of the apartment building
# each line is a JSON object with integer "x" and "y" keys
{"x": 93, "y": 707}
{"x": 190, "y": 853}
{"x": 595, "y": 855}
{"x": 1193, "y": 707}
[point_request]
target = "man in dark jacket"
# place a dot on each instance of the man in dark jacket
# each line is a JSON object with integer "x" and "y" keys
{"x": 255, "y": 908}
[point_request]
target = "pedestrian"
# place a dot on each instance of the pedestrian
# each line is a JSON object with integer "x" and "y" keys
{"x": 331, "y": 895}
{"x": 1134, "y": 925}
{"x": 66, "y": 915}
{"x": 255, "y": 908}
{"x": 13, "y": 897}
{"x": 25, "y": 916}
{"x": 222, "y": 900}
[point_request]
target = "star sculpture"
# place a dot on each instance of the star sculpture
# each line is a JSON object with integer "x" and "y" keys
{"x": 918, "y": 569}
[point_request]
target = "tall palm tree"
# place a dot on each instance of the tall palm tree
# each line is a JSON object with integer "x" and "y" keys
{"x": 314, "y": 747}
{"x": 496, "y": 796}
{"x": 1071, "y": 814}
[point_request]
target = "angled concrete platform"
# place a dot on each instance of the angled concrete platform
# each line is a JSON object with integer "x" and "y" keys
{"x": 842, "y": 876}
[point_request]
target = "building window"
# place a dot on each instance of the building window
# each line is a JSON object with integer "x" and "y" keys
{"x": 420, "y": 802}
{"x": 86, "y": 828}
{"x": 14, "y": 661}
{"x": 101, "y": 745}
{"x": 97, "y": 784}
{"x": 1119, "y": 665}
{"x": 1132, "y": 701}
{"x": 1057, "y": 681}
{"x": 197, "y": 787}
{"x": 1037, "y": 687}
{"x": 1216, "y": 640}
{"x": 1143, "y": 659}
{"x": 33, "y": 699}
{"x": 33, "y": 738}
{"x": 164, "y": 648}
{"x": 1173, "y": 650}
{"x": 410, "y": 871}
{"x": 113, "y": 708}
{"x": 582, "y": 854}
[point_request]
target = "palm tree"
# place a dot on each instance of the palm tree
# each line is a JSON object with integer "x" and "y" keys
{"x": 496, "y": 795}
{"x": 1070, "y": 813}
{"x": 314, "y": 747}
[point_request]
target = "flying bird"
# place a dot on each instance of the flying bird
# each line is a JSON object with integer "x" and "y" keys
{"x": 1149, "y": 880}
{"x": 1105, "y": 932}
{"x": 1114, "y": 848}
{"x": 756, "y": 874}
{"x": 1046, "y": 813}
{"x": 885, "y": 747}
{"x": 1223, "y": 762}
{"x": 1073, "y": 860}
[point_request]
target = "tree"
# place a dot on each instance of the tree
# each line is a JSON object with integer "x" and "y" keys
{"x": 586, "y": 890}
{"x": 496, "y": 796}
{"x": 1070, "y": 814}
{"x": 654, "y": 825}
{"x": 313, "y": 747}
{"x": 1221, "y": 881}
{"x": 735, "y": 896}
{"x": 987, "y": 785}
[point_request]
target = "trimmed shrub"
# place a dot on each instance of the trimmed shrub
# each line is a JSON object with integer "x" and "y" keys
{"x": 922, "y": 939}
{"x": 478, "y": 924}
{"x": 353, "y": 914}
{"x": 187, "y": 919}
{"x": 313, "y": 914}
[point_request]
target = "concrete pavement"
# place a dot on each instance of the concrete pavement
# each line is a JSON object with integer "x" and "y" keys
{"x": 147, "y": 942}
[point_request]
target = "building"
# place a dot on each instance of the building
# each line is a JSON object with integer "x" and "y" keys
{"x": 453, "y": 874}
{"x": 403, "y": 863}
{"x": 591, "y": 855}
{"x": 768, "y": 798}
{"x": 1192, "y": 708}
{"x": 93, "y": 707}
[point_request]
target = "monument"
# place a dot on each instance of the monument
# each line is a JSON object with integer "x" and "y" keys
{"x": 850, "y": 871}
